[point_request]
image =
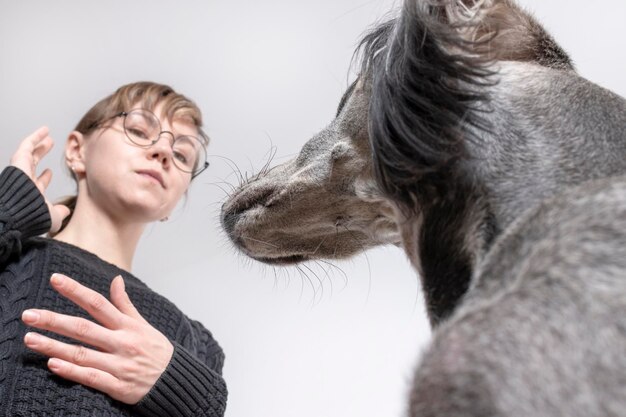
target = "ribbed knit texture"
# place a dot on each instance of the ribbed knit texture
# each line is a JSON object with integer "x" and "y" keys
{"x": 191, "y": 385}
{"x": 180, "y": 390}
{"x": 23, "y": 212}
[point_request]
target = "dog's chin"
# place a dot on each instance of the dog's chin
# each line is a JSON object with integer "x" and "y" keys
{"x": 282, "y": 260}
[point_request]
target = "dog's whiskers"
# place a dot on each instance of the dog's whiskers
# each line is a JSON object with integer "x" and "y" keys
{"x": 260, "y": 241}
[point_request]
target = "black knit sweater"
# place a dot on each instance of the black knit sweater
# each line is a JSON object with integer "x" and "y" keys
{"x": 191, "y": 385}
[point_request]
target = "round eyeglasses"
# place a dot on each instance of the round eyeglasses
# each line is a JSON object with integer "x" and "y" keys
{"x": 143, "y": 129}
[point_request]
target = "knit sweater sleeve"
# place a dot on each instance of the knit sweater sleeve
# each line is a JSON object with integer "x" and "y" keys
{"x": 23, "y": 212}
{"x": 188, "y": 387}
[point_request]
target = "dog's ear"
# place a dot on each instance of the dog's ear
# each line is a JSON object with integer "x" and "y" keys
{"x": 499, "y": 30}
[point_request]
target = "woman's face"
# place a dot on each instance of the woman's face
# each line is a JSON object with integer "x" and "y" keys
{"x": 130, "y": 182}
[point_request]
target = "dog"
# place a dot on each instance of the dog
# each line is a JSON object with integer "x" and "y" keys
{"x": 469, "y": 140}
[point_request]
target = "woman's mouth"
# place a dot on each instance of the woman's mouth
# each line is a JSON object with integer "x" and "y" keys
{"x": 153, "y": 176}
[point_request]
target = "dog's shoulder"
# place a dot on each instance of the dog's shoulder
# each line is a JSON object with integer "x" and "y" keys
{"x": 578, "y": 236}
{"x": 546, "y": 309}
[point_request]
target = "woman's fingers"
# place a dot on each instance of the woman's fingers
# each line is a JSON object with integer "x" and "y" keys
{"x": 77, "y": 328}
{"x": 58, "y": 213}
{"x": 41, "y": 149}
{"x": 138, "y": 352}
{"x": 76, "y": 354}
{"x": 119, "y": 298}
{"x": 37, "y": 136}
{"x": 43, "y": 180}
{"x": 31, "y": 150}
{"x": 90, "y": 377}
{"x": 27, "y": 156}
{"x": 31, "y": 142}
{"x": 91, "y": 301}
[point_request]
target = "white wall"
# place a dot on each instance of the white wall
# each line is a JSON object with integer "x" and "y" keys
{"x": 334, "y": 343}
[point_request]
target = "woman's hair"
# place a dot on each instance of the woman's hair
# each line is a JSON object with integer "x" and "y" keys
{"x": 174, "y": 106}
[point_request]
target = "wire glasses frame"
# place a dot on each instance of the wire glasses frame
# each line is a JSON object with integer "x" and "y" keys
{"x": 143, "y": 128}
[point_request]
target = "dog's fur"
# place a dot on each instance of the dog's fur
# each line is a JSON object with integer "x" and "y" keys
{"x": 542, "y": 330}
{"x": 469, "y": 140}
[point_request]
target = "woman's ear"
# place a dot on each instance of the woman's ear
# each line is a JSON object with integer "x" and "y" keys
{"x": 74, "y": 152}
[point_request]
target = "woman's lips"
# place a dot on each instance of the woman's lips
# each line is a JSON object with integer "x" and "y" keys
{"x": 155, "y": 175}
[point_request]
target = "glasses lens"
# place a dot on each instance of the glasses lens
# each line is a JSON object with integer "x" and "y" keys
{"x": 189, "y": 154}
{"x": 142, "y": 127}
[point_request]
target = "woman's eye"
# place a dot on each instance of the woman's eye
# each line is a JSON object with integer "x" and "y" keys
{"x": 180, "y": 157}
{"x": 138, "y": 133}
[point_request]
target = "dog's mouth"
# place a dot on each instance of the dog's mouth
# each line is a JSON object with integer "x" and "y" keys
{"x": 282, "y": 260}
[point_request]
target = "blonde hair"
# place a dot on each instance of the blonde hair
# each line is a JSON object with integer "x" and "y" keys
{"x": 174, "y": 106}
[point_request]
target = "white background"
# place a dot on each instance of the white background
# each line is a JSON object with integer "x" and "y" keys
{"x": 336, "y": 342}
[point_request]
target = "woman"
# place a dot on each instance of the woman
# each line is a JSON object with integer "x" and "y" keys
{"x": 133, "y": 156}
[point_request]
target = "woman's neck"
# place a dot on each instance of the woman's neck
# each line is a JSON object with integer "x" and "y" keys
{"x": 110, "y": 239}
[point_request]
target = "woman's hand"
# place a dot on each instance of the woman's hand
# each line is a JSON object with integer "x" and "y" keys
{"x": 29, "y": 153}
{"x": 130, "y": 354}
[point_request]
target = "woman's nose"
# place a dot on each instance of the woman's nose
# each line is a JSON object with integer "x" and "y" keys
{"x": 162, "y": 148}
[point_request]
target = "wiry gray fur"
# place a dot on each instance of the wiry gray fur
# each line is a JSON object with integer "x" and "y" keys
{"x": 470, "y": 141}
{"x": 542, "y": 330}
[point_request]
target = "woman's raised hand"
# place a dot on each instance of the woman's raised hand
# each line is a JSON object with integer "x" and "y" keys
{"x": 28, "y": 154}
{"x": 129, "y": 356}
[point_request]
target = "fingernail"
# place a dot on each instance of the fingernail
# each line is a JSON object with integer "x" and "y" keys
{"x": 54, "y": 364}
{"x": 119, "y": 277}
{"x": 29, "y": 316}
{"x": 56, "y": 279}
{"x": 31, "y": 338}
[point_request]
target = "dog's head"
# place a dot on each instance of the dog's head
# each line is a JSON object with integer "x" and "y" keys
{"x": 338, "y": 198}
{"x": 323, "y": 204}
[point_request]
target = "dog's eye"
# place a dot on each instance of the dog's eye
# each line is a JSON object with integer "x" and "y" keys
{"x": 345, "y": 97}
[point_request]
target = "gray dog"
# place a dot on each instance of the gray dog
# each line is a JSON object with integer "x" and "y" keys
{"x": 469, "y": 140}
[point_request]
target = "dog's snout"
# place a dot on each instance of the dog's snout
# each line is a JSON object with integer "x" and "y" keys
{"x": 229, "y": 220}
{"x": 233, "y": 209}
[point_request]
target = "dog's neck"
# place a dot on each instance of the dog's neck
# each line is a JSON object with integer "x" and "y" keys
{"x": 445, "y": 241}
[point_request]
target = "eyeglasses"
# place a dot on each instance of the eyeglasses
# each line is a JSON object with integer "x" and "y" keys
{"x": 143, "y": 129}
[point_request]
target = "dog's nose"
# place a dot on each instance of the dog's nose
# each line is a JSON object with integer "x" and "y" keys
{"x": 238, "y": 204}
{"x": 229, "y": 220}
